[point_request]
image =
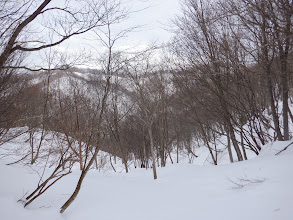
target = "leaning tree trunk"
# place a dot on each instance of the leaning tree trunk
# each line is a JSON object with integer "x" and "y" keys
{"x": 242, "y": 144}
{"x": 78, "y": 186}
{"x": 94, "y": 156}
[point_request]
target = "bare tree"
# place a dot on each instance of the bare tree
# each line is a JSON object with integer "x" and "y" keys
{"x": 60, "y": 20}
{"x": 199, "y": 43}
{"x": 269, "y": 39}
{"x": 64, "y": 163}
{"x": 110, "y": 66}
{"x": 142, "y": 75}
{"x": 20, "y": 36}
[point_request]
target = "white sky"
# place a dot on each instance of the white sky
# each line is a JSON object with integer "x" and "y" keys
{"x": 153, "y": 15}
{"x": 155, "y": 18}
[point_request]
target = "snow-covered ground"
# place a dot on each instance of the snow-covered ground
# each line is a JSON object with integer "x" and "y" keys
{"x": 260, "y": 188}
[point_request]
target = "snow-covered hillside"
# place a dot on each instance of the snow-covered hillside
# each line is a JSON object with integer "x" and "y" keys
{"x": 260, "y": 188}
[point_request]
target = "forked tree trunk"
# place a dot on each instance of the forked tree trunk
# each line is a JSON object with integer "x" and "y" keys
{"x": 231, "y": 129}
{"x": 236, "y": 146}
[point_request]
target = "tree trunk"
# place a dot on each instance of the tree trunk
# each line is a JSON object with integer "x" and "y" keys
{"x": 273, "y": 108}
{"x": 152, "y": 151}
{"x": 242, "y": 144}
{"x": 170, "y": 157}
{"x": 285, "y": 94}
{"x": 78, "y": 186}
{"x": 229, "y": 147}
{"x": 267, "y": 67}
{"x": 86, "y": 168}
{"x": 235, "y": 144}
{"x": 177, "y": 152}
{"x": 145, "y": 155}
{"x": 125, "y": 164}
{"x": 9, "y": 48}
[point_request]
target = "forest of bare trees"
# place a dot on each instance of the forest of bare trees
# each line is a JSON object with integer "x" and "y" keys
{"x": 226, "y": 74}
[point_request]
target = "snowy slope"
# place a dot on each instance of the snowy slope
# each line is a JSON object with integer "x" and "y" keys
{"x": 260, "y": 188}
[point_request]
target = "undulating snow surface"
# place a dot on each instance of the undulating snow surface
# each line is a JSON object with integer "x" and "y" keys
{"x": 260, "y": 188}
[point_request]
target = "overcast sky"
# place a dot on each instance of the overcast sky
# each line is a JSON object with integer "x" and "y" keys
{"x": 154, "y": 18}
{"x": 153, "y": 15}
